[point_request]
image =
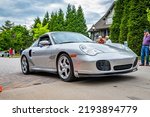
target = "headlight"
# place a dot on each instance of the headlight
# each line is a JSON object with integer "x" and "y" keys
{"x": 121, "y": 46}
{"x": 126, "y": 48}
{"x": 89, "y": 50}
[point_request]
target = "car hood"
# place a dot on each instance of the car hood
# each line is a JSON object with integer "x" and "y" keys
{"x": 106, "y": 48}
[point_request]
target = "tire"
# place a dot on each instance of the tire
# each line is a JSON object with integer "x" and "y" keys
{"x": 24, "y": 65}
{"x": 65, "y": 68}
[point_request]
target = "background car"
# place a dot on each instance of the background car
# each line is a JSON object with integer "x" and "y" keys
{"x": 74, "y": 55}
{"x": 4, "y": 54}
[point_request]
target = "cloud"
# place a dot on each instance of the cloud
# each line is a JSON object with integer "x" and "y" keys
{"x": 22, "y": 5}
{"x": 104, "y": 2}
{"x": 24, "y": 12}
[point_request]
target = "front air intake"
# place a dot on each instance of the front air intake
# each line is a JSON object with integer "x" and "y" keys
{"x": 122, "y": 67}
{"x": 103, "y": 65}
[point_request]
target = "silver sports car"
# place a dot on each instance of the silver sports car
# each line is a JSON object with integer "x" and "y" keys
{"x": 74, "y": 55}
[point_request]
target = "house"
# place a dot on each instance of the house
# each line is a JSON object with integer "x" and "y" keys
{"x": 101, "y": 28}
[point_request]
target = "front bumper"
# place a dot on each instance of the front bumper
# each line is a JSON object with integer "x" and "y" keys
{"x": 85, "y": 65}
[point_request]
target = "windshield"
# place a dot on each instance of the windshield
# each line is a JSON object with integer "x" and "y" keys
{"x": 69, "y": 37}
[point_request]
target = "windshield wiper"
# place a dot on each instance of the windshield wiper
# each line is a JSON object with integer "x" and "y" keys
{"x": 88, "y": 41}
{"x": 68, "y": 42}
{"x": 78, "y": 42}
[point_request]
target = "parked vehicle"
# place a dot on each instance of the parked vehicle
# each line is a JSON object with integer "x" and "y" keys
{"x": 4, "y": 54}
{"x": 74, "y": 55}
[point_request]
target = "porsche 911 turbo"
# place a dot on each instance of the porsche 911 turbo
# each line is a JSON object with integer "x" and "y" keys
{"x": 72, "y": 55}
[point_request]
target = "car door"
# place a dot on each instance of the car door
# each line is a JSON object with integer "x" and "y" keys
{"x": 41, "y": 54}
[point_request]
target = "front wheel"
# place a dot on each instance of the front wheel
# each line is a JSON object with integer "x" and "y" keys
{"x": 65, "y": 68}
{"x": 25, "y": 65}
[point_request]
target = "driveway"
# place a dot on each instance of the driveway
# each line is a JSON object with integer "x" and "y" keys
{"x": 132, "y": 86}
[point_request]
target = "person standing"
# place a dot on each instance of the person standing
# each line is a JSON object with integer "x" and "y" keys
{"x": 21, "y": 51}
{"x": 10, "y": 52}
{"x": 101, "y": 39}
{"x": 107, "y": 40}
{"x": 145, "y": 48}
{"x": 13, "y": 51}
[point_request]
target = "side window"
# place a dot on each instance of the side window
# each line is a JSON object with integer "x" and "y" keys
{"x": 43, "y": 39}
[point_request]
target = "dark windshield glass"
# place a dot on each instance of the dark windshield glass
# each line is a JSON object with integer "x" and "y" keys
{"x": 68, "y": 37}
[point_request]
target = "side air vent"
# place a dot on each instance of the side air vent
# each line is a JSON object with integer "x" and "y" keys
{"x": 122, "y": 67}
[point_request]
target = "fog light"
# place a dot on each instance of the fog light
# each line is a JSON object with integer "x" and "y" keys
{"x": 103, "y": 65}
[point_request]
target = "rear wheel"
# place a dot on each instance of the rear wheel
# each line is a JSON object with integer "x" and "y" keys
{"x": 25, "y": 65}
{"x": 65, "y": 68}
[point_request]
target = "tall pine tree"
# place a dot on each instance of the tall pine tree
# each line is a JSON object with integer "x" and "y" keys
{"x": 81, "y": 23}
{"x": 137, "y": 23}
{"x": 124, "y": 22}
{"x": 60, "y": 20}
{"x": 148, "y": 14}
{"x": 53, "y": 23}
{"x": 36, "y": 21}
{"x": 46, "y": 19}
{"x": 7, "y": 26}
{"x": 115, "y": 27}
{"x": 71, "y": 19}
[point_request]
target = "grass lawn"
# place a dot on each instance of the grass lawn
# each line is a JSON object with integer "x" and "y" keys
{"x": 15, "y": 56}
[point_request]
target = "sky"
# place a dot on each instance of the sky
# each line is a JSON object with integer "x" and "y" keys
{"x": 25, "y": 11}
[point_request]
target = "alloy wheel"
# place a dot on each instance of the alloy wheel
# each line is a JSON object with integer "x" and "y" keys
{"x": 24, "y": 65}
{"x": 64, "y": 67}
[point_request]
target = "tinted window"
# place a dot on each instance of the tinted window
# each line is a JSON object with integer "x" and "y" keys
{"x": 66, "y": 37}
{"x": 44, "y": 38}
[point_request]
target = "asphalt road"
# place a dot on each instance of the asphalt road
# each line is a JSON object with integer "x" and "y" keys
{"x": 132, "y": 86}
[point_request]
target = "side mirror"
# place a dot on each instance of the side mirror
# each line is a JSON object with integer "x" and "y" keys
{"x": 44, "y": 43}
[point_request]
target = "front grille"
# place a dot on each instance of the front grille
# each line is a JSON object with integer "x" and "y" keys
{"x": 135, "y": 62}
{"x": 103, "y": 65}
{"x": 122, "y": 67}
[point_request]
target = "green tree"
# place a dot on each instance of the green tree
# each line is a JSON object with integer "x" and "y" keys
{"x": 148, "y": 14}
{"x": 124, "y": 22}
{"x": 6, "y": 35}
{"x": 71, "y": 19}
{"x": 40, "y": 30}
{"x": 81, "y": 22}
{"x": 21, "y": 37}
{"x": 5, "y": 39}
{"x": 60, "y": 21}
{"x": 52, "y": 22}
{"x": 36, "y": 21}
{"x": 68, "y": 15}
{"x": 137, "y": 23}
{"x": 46, "y": 19}
{"x": 56, "y": 22}
{"x": 115, "y": 27}
{"x": 7, "y": 26}
{"x": 17, "y": 37}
